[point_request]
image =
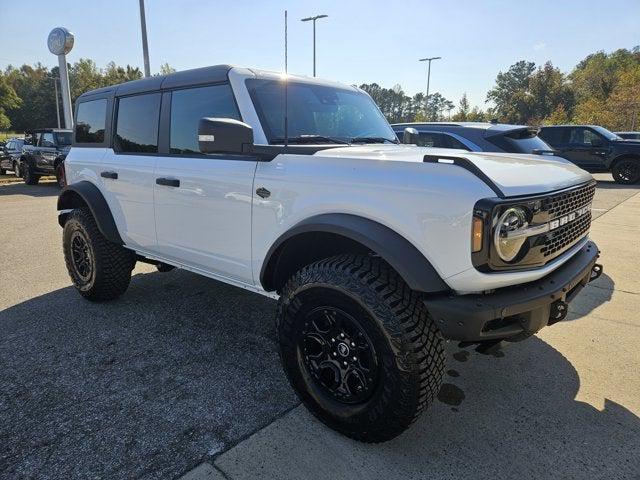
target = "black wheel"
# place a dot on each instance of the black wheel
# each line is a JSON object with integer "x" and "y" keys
{"x": 99, "y": 269}
{"x": 30, "y": 178}
{"x": 16, "y": 169}
{"x": 626, "y": 171}
{"x": 60, "y": 175}
{"x": 359, "y": 347}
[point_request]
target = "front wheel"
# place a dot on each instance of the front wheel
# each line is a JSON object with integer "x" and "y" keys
{"x": 30, "y": 178}
{"x": 359, "y": 347}
{"x": 60, "y": 175}
{"x": 99, "y": 269}
{"x": 626, "y": 171}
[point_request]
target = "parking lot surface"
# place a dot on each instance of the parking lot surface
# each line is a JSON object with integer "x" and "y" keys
{"x": 181, "y": 377}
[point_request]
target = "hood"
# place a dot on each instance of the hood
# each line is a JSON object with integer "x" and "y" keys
{"x": 513, "y": 174}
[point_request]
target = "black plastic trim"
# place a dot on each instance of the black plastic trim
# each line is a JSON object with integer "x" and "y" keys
{"x": 402, "y": 255}
{"x": 467, "y": 165}
{"x": 465, "y": 317}
{"x": 96, "y": 202}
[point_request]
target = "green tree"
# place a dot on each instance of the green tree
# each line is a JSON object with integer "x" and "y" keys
{"x": 463, "y": 109}
{"x": 165, "y": 69}
{"x": 8, "y": 100}
{"x": 510, "y": 94}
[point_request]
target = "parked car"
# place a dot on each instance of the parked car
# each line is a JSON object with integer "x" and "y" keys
{"x": 45, "y": 154}
{"x": 476, "y": 136}
{"x": 596, "y": 149}
{"x": 10, "y": 156}
{"x": 376, "y": 251}
{"x": 629, "y": 135}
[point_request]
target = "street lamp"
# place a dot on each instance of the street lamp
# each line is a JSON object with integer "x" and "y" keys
{"x": 309, "y": 19}
{"x": 426, "y": 105}
{"x": 60, "y": 42}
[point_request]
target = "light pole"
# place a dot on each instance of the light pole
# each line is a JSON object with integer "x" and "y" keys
{"x": 308, "y": 19}
{"x": 60, "y": 42}
{"x": 55, "y": 86}
{"x": 145, "y": 45}
{"x": 426, "y": 105}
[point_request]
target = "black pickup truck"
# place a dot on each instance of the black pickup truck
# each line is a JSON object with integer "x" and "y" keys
{"x": 45, "y": 154}
{"x": 596, "y": 149}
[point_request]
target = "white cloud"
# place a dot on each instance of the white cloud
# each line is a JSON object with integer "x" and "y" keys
{"x": 539, "y": 46}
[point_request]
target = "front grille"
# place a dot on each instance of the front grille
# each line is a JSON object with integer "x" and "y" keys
{"x": 562, "y": 238}
{"x": 567, "y": 202}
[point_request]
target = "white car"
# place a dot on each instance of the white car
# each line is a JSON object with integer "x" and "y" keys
{"x": 377, "y": 252}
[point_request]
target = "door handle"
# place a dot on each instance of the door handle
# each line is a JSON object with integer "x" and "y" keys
{"x": 168, "y": 182}
{"x": 111, "y": 175}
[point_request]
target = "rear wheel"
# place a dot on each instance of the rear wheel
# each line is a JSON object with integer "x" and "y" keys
{"x": 30, "y": 178}
{"x": 359, "y": 347}
{"x": 99, "y": 269}
{"x": 626, "y": 171}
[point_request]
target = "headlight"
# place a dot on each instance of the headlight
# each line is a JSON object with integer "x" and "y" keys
{"x": 510, "y": 233}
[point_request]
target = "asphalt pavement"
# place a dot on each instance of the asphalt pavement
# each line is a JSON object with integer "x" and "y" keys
{"x": 181, "y": 377}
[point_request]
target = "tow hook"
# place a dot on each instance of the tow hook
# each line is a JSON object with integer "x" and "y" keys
{"x": 558, "y": 311}
{"x": 596, "y": 271}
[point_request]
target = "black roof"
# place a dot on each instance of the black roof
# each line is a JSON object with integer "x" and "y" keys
{"x": 196, "y": 76}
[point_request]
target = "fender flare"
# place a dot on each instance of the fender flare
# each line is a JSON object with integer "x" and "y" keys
{"x": 396, "y": 250}
{"x": 93, "y": 198}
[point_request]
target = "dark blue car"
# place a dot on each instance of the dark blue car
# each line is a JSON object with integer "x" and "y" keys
{"x": 477, "y": 136}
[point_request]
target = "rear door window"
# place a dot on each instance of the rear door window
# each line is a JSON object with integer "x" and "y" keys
{"x": 556, "y": 136}
{"x": 137, "y": 124}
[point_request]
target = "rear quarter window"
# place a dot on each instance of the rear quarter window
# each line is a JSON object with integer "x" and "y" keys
{"x": 90, "y": 121}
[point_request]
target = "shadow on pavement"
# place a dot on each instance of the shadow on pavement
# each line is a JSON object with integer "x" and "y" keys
{"x": 144, "y": 386}
{"x": 43, "y": 189}
{"x": 517, "y": 418}
{"x": 612, "y": 185}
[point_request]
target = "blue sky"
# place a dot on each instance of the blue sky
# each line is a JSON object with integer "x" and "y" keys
{"x": 361, "y": 41}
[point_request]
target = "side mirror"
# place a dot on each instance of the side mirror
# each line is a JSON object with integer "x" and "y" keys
{"x": 410, "y": 136}
{"x": 224, "y": 135}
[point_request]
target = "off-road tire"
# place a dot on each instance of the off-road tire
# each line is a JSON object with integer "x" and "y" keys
{"x": 626, "y": 171}
{"x": 407, "y": 343}
{"x": 29, "y": 177}
{"x": 111, "y": 263}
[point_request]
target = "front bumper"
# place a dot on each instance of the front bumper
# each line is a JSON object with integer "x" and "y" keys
{"x": 514, "y": 313}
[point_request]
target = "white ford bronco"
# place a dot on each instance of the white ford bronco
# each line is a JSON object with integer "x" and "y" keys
{"x": 299, "y": 189}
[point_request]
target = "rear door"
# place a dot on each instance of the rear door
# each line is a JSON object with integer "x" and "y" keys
{"x": 202, "y": 202}
{"x": 127, "y": 170}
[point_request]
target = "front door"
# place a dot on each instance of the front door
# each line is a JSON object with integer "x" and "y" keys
{"x": 586, "y": 148}
{"x": 45, "y": 153}
{"x": 203, "y": 202}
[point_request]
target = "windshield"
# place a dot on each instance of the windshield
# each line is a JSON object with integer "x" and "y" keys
{"x": 63, "y": 138}
{"x": 318, "y": 114}
{"x": 606, "y": 133}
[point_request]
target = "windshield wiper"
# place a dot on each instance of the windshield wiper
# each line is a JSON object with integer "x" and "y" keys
{"x": 372, "y": 140}
{"x": 302, "y": 139}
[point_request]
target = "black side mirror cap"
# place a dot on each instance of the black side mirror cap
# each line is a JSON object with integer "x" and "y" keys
{"x": 224, "y": 135}
{"x": 410, "y": 136}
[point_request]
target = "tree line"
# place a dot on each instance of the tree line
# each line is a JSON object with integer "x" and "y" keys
{"x": 602, "y": 89}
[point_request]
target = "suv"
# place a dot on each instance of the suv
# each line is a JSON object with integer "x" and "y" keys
{"x": 10, "y": 156}
{"x": 377, "y": 252}
{"x": 476, "y": 136}
{"x": 45, "y": 155}
{"x": 596, "y": 149}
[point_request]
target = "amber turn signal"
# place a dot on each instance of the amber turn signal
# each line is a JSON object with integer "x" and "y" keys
{"x": 476, "y": 235}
